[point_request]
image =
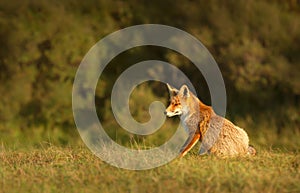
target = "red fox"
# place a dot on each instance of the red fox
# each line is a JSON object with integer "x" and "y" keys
{"x": 218, "y": 135}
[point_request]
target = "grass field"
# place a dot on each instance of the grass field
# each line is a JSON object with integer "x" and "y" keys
{"x": 49, "y": 168}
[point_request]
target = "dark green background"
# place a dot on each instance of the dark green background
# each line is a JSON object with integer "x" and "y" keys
{"x": 256, "y": 44}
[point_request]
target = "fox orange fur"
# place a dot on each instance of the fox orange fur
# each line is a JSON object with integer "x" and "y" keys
{"x": 218, "y": 135}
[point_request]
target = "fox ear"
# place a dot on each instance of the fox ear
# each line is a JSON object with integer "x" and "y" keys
{"x": 173, "y": 91}
{"x": 184, "y": 91}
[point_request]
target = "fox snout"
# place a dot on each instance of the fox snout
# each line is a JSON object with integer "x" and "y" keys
{"x": 169, "y": 114}
{"x": 172, "y": 113}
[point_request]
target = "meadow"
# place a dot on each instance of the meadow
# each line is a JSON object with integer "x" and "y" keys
{"x": 49, "y": 168}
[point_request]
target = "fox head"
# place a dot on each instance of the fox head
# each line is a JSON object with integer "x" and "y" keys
{"x": 178, "y": 101}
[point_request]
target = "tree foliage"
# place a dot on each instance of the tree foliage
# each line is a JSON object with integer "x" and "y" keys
{"x": 256, "y": 44}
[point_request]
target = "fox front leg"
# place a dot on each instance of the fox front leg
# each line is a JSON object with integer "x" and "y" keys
{"x": 189, "y": 144}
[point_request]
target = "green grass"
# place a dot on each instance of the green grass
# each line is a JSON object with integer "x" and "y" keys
{"x": 49, "y": 168}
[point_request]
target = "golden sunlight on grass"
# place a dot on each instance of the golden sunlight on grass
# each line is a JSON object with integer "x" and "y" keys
{"x": 55, "y": 169}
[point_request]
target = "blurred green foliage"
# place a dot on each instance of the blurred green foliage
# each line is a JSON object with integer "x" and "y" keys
{"x": 256, "y": 44}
